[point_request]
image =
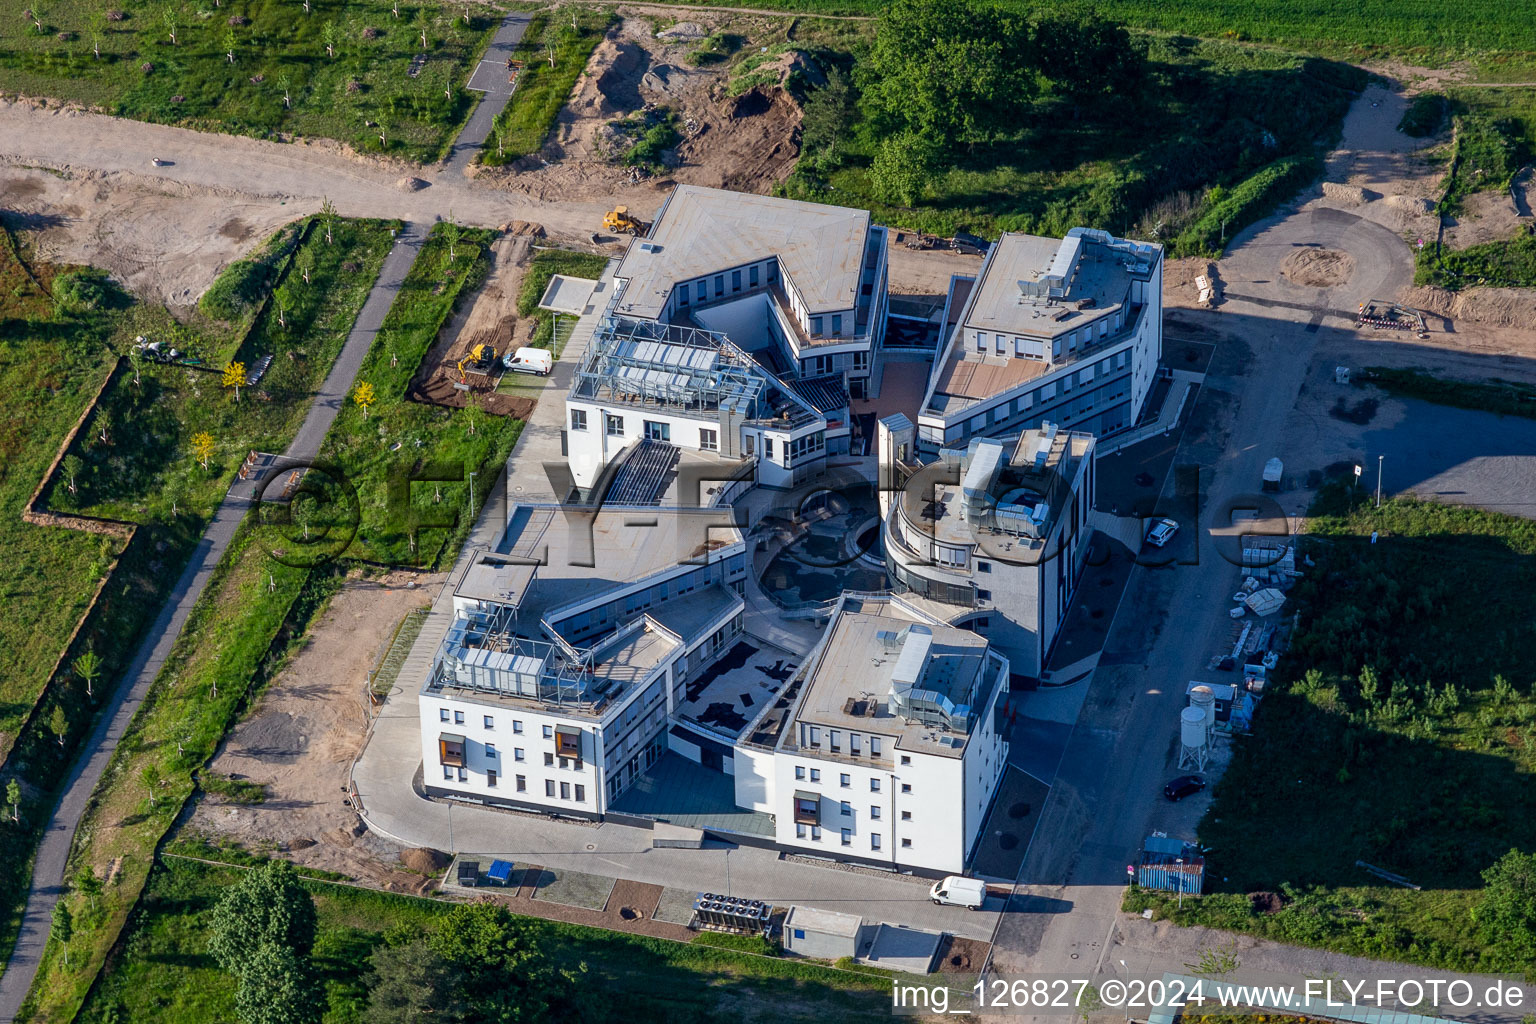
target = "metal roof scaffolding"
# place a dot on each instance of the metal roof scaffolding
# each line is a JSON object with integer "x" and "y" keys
{"x": 668, "y": 364}
{"x": 482, "y": 653}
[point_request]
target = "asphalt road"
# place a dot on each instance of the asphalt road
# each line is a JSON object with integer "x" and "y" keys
{"x": 478, "y": 128}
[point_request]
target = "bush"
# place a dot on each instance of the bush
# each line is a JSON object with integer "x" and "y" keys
{"x": 1424, "y": 115}
{"x": 741, "y": 943}
{"x": 76, "y": 291}
{"x": 1227, "y": 211}
{"x": 660, "y": 135}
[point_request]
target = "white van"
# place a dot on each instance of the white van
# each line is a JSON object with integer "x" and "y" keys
{"x": 970, "y": 893}
{"x": 530, "y": 360}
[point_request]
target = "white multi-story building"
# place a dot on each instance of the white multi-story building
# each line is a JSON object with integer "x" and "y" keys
{"x": 740, "y": 325}
{"x": 570, "y": 648}
{"x": 993, "y": 536}
{"x": 1066, "y": 330}
{"x": 892, "y": 749}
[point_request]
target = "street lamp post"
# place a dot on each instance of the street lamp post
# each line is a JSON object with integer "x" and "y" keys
{"x": 1379, "y": 458}
{"x": 1179, "y": 863}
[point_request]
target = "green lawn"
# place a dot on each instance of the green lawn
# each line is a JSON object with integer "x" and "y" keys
{"x": 399, "y": 436}
{"x": 1400, "y": 730}
{"x": 162, "y": 974}
{"x": 279, "y": 50}
{"x": 1507, "y": 398}
{"x": 147, "y": 463}
{"x": 1218, "y": 136}
{"x": 542, "y": 88}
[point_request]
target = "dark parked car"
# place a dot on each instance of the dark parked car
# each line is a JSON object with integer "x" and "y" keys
{"x": 1183, "y": 786}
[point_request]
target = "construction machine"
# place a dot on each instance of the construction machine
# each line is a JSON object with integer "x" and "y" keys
{"x": 481, "y": 359}
{"x": 619, "y": 219}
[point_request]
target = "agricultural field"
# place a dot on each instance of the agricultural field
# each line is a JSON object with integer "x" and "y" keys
{"x": 1402, "y": 714}
{"x": 346, "y": 71}
{"x": 162, "y": 972}
{"x": 1212, "y": 135}
{"x": 137, "y": 460}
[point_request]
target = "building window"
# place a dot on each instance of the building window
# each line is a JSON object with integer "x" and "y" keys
{"x": 983, "y": 566}
{"x": 905, "y": 759}
{"x": 906, "y": 815}
{"x": 490, "y": 723}
{"x": 442, "y": 714}
{"x": 874, "y": 812}
{"x": 983, "y": 595}
{"x": 853, "y": 744}
{"x": 683, "y": 295}
{"x": 719, "y": 285}
{"x": 981, "y": 342}
{"x": 517, "y": 753}
{"x": 768, "y": 454}
{"x": 549, "y": 787}
{"x": 874, "y": 785}
{"x": 752, "y": 275}
{"x": 614, "y": 425}
{"x": 522, "y": 783}
{"x": 837, "y": 323}
{"x": 517, "y": 727}
{"x": 709, "y": 440}
{"x": 655, "y": 431}
{"x": 565, "y": 791}
{"x": 800, "y": 771}
{"x": 906, "y": 844}
{"x": 578, "y": 419}
{"x": 815, "y": 774}
{"x": 847, "y": 809}
{"x": 835, "y": 740}
{"x": 874, "y": 840}
{"x": 458, "y": 718}
{"x": 799, "y": 831}
{"x": 581, "y": 794}
{"x": 845, "y": 779}
{"x": 816, "y": 833}
{"x": 735, "y": 280}
{"x": 549, "y": 732}
{"x": 549, "y": 759}
{"x": 490, "y": 778}
{"x": 490, "y": 750}
{"x": 874, "y": 746}
{"x": 448, "y": 772}
{"x": 463, "y": 774}
{"x": 906, "y": 787}
{"x": 700, "y": 293}
{"x": 564, "y": 763}
{"x": 860, "y": 361}
{"x": 847, "y": 837}
{"x": 815, "y": 325}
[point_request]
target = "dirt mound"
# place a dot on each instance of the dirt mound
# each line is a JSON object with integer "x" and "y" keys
{"x": 1496, "y": 307}
{"x": 410, "y": 184}
{"x": 522, "y": 227}
{"x": 1351, "y": 195}
{"x": 424, "y": 860}
{"x": 1418, "y": 206}
{"x": 748, "y": 143}
{"x": 1318, "y": 268}
{"x": 1266, "y": 902}
{"x": 683, "y": 32}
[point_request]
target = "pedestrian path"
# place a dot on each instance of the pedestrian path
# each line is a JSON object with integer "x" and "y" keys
{"x": 489, "y": 77}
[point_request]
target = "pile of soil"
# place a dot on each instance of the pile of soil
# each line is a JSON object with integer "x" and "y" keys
{"x": 1496, "y": 307}
{"x": 1266, "y": 902}
{"x": 1318, "y": 268}
{"x": 1350, "y": 195}
{"x": 410, "y": 184}
{"x": 425, "y": 860}
{"x": 747, "y": 143}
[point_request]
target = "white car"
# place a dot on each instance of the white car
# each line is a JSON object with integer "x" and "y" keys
{"x": 1161, "y": 531}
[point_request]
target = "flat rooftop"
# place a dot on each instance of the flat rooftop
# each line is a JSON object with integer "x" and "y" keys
{"x": 731, "y": 693}
{"x": 1081, "y": 279}
{"x": 853, "y": 677}
{"x": 553, "y": 555}
{"x": 704, "y": 231}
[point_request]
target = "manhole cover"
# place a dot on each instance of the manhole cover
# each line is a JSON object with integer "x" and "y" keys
{"x": 1008, "y": 841}
{"x": 591, "y": 846}
{"x": 1018, "y": 810}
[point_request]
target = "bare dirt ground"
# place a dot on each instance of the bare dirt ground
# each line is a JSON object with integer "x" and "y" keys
{"x": 1318, "y": 268}
{"x": 1486, "y": 217}
{"x": 747, "y": 143}
{"x": 491, "y": 320}
{"x": 303, "y": 735}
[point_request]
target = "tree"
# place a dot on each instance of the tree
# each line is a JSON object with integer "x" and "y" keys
{"x": 305, "y": 264}
{"x": 328, "y": 35}
{"x": 282, "y": 83}
{"x": 88, "y": 668}
{"x": 363, "y": 396}
{"x": 412, "y": 984}
{"x": 953, "y": 71}
{"x": 1508, "y": 904}
{"x": 63, "y": 927}
{"x": 505, "y": 977}
{"x": 472, "y": 411}
{"x": 202, "y": 447}
{"x": 268, "y": 907}
{"x": 229, "y": 44}
{"x": 303, "y": 510}
{"x": 72, "y": 468}
{"x": 422, "y": 24}
{"x": 150, "y": 776}
{"x": 13, "y": 797}
{"x": 104, "y": 425}
{"x": 1083, "y": 55}
{"x": 451, "y": 235}
{"x": 901, "y": 168}
{"x": 328, "y": 214}
{"x": 89, "y": 886}
{"x": 136, "y": 362}
{"x": 58, "y": 724}
{"x": 277, "y": 987}
{"x": 282, "y": 298}
{"x": 169, "y": 15}
{"x": 234, "y": 377}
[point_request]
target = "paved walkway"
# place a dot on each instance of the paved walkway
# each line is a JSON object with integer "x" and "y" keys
{"x": 489, "y": 76}
{"x": 53, "y": 852}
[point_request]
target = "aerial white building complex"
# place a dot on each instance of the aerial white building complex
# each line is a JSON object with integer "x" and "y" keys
{"x": 1067, "y": 330}
{"x": 740, "y": 326}
{"x": 992, "y": 536}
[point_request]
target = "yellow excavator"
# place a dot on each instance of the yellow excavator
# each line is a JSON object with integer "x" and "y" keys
{"x": 480, "y": 359}
{"x": 619, "y": 219}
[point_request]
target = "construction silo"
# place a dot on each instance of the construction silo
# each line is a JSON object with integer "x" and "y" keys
{"x": 1194, "y": 739}
{"x": 1204, "y": 698}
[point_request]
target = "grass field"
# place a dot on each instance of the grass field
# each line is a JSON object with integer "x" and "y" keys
{"x": 400, "y": 436}
{"x": 546, "y": 263}
{"x": 1400, "y": 731}
{"x": 148, "y": 464}
{"x": 1507, "y": 398}
{"x": 1175, "y": 162}
{"x": 281, "y": 81}
{"x": 542, "y": 88}
{"x": 162, "y": 974}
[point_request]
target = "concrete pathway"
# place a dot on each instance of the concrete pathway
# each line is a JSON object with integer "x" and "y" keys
{"x": 53, "y": 852}
{"x": 489, "y": 76}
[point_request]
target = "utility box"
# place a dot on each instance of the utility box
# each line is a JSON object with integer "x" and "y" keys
{"x": 825, "y": 934}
